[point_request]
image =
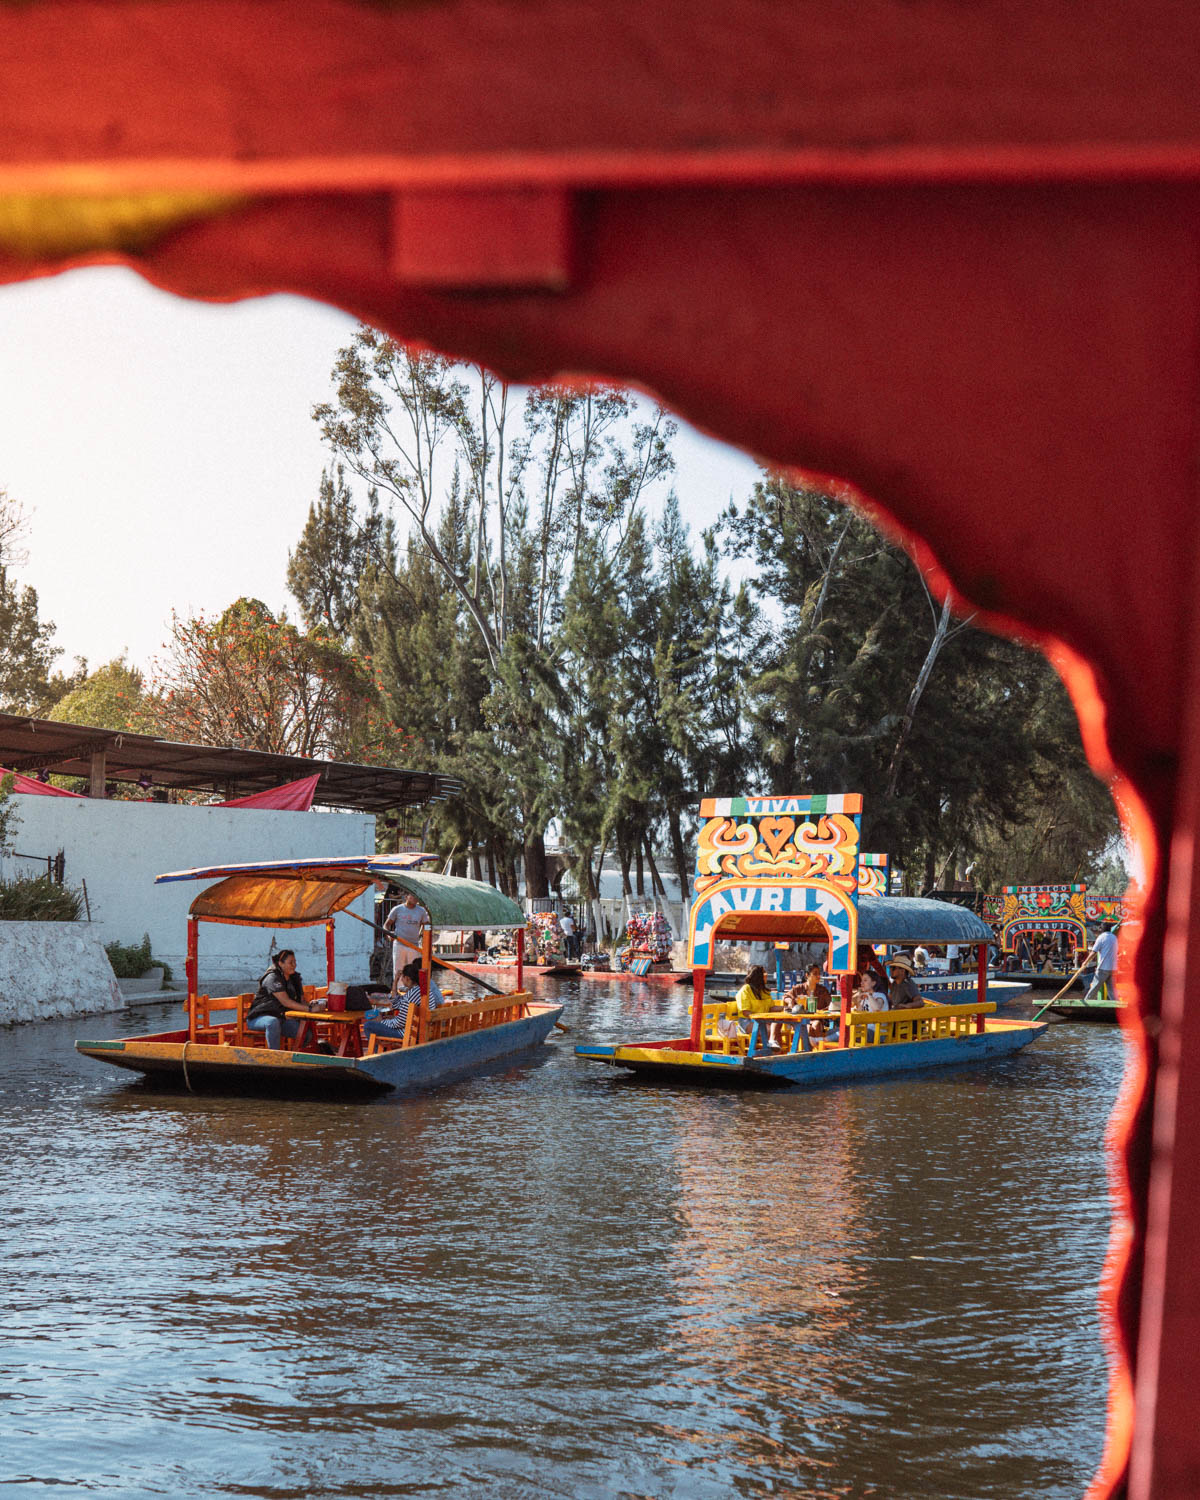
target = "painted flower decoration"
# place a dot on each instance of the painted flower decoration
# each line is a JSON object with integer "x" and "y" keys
{"x": 1045, "y": 899}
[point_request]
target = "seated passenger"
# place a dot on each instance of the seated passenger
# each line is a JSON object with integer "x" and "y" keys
{"x": 902, "y": 992}
{"x": 813, "y": 994}
{"x": 393, "y": 1022}
{"x": 279, "y": 990}
{"x": 754, "y": 998}
{"x": 866, "y": 995}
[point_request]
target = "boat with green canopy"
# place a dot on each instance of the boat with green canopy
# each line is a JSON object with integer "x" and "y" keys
{"x": 331, "y": 1055}
{"x": 784, "y": 869}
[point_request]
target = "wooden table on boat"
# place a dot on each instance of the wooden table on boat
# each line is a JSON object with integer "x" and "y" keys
{"x": 791, "y": 1017}
{"x": 350, "y": 1021}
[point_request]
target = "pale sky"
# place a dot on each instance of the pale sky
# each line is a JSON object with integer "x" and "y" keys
{"x": 166, "y": 457}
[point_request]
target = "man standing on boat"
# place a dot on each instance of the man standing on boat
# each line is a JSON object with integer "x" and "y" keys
{"x": 1104, "y": 951}
{"x": 405, "y": 923}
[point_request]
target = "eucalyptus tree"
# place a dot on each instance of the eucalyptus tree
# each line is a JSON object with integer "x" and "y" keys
{"x": 532, "y": 477}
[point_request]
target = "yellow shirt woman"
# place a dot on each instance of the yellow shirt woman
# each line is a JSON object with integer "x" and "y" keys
{"x": 750, "y": 1002}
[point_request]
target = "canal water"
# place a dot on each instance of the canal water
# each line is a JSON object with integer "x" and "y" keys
{"x": 555, "y": 1281}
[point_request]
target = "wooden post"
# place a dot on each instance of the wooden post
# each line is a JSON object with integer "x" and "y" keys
{"x": 981, "y": 986}
{"x": 698, "y": 977}
{"x": 330, "y": 969}
{"x": 426, "y": 970}
{"x": 520, "y": 958}
{"x": 190, "y": 968}
{"x": 96, "y": 785}
{"x": 846, "y": 987}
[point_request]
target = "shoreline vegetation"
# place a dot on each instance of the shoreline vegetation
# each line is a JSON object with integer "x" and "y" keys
{"x": 500, "y": 583}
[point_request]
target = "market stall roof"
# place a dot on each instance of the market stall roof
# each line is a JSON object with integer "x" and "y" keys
{"x": 106, "y": 755}
{"x": 301, "y": 892}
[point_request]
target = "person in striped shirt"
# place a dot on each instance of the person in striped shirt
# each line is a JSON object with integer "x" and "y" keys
{"x": 394, "y": 1024}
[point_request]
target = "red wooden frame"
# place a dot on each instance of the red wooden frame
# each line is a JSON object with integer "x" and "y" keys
{"x": 945, "y": 252}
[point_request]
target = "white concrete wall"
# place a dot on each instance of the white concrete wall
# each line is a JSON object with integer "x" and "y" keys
{"x": 119, "y": 847}
{"x": 53, "y": 969}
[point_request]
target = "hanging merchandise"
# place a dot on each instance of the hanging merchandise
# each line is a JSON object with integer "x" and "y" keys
{"x": 545, "y": 938}
{"x": 647, "y": 937}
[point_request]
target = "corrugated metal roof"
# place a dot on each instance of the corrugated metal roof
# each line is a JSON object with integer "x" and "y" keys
{"x": 913, "y": 919}
{"x": 66, "y": 749}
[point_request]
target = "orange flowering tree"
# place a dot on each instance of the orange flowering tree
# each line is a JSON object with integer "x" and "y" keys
{"x": 252, "y": 679}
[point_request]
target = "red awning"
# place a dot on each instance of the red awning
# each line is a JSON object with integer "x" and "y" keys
{"x": 293, "y": 796}
{"x": 31, "y": 787}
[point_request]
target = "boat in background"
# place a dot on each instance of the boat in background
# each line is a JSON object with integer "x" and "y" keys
{"x": 784, "y": 869}
{"x": 217, "y": 1051}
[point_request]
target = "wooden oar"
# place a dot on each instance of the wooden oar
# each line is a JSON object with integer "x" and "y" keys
{"x": 1064, "y": 989}
{"x": 443, "y": 964}
{"x": 439, "y": 962}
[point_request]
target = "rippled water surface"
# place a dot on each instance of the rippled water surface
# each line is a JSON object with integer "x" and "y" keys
{"x": 555, "y": 1281}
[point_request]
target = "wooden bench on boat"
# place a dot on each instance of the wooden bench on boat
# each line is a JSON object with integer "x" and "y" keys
{"x": 234, "y": 1033}
{"x": 864, "y": 1028}
{"x": 455, "y": 1018}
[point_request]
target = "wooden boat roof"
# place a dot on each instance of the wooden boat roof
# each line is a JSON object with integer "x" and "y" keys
{"x": 304, "y": 892}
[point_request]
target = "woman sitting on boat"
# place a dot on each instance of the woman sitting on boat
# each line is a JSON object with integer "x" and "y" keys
{"x": 813, "y": 994}
{"x": 395, "y": 1022}
{"x": 866, "y": 993}
{"x": 279, "y": 990}
{"x": 754, "y": 999}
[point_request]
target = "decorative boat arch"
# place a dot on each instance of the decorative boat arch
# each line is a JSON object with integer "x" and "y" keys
{"x": 766, "y": 909}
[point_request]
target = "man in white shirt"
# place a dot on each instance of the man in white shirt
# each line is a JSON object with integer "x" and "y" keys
{"x": 567, "y": 924}
{"x": 953, "y": 959}
{"x": 405, "y": 923}
{"x": 1104, "y": 951}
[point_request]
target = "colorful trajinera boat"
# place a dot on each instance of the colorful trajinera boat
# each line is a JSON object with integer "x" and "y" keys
{"x": 775, "y": 869}
{"x": 330, "y": 1055}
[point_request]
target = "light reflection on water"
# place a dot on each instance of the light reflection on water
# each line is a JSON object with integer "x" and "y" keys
{"x": 555, "y": 1281}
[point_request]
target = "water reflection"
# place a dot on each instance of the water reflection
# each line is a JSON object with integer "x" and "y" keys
{"x": 549, "y": 1281}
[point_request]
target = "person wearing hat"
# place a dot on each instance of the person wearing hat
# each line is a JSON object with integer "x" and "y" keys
{"x": 902, "y": 992}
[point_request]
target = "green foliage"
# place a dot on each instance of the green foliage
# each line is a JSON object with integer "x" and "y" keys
{"x": 36, "y": 898}
{"x": 574, "y": 665}
{"x": 113, "y": 697}
{"x": 9, "y": 817}
{"x": 130, "y": 960}
{"x": 965, "y": 745}
{"x": 28, "y": 684}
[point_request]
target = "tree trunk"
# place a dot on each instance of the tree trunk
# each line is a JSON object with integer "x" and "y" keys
{"x": 660, "y": 890}
{"x": 476, "y": 873}
{"x": 941, "y": 631}
{"x": 536, "y": 883}
{"x": 491, "y": 862}
{"x": 677, "y": 850}
{"x": 640, "y": 870}
{"x": 623, "y": 857}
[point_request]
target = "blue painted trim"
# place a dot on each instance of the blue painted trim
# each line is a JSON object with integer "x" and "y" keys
{"x": 417, "y": 1067}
